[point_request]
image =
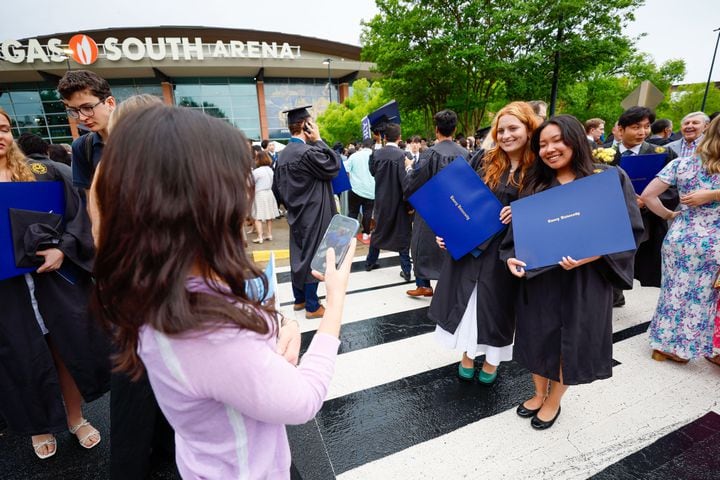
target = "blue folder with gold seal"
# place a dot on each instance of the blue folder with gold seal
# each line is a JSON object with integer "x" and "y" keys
{"x": 580, "y": 219}
{"x": 642, "y": 168}
{"x": 459, "y": 207}
{"x": 48, "y": 197}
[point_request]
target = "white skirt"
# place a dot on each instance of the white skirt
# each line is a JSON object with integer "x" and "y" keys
{"x": 465, "y": 337}
{"x": 265, "y": 207}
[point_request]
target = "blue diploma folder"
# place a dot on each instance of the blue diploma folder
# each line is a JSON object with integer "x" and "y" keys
{"x": 580, "y": 219}
{"x": 459, "y": 207}
{"x": 642, "y": 168}
{"x": 341, "y": 182}
{"x": 37, "y": 196}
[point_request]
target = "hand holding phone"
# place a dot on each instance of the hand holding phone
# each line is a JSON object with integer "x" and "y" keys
{"x": 311, "y": 131}
{"x": 338, "y": 236}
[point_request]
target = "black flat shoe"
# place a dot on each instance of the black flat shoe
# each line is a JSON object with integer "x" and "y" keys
{"x": 538, "y": 424}
{"x": 525, "y": 412}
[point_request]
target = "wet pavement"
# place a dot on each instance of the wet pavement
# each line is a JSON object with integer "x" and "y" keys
{"x": 396, "y": 410}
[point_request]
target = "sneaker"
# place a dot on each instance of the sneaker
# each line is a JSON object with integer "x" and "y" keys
{"x": 365, "y": 239}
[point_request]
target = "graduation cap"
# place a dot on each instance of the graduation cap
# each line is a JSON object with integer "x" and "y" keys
{"x": 32, "y": 231}
{"x": 297, "y": 114}
{"x": 376, "y": 121}
{"x": 482, "y": 132}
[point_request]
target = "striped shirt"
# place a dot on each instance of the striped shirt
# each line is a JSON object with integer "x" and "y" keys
{"x": 687, "y": 149}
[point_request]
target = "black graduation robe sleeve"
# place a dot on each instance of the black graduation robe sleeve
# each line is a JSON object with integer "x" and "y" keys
{"x": 618, "y": 268}
{"x": 321, "y": 161}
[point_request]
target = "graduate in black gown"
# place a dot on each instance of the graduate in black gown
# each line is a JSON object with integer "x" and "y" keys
{"x": 564, "y": 312}
{"x": 474, "y": 301}
{"x": 302, "y": 179}
{"x": 393, "y": 222}
{"x": 427, "y": 256}
{"x": 52, "y": 354}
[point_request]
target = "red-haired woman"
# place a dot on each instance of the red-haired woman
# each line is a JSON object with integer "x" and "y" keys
{"x": 474, "y": 298}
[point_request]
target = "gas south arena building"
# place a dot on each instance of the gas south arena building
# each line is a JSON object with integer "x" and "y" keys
{"x": 247, "y": 77}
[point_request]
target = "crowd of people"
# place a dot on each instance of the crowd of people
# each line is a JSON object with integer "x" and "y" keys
{"x": 146, "y": 288}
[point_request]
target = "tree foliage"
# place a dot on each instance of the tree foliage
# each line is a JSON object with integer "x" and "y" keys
{"x": 468, "y": 54}
{"x": 688, "y": 99}
{"x": 341, "y": 122}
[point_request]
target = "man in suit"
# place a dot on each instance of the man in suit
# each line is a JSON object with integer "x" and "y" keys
{"x": 595, "y": 129}
{"x": 660, "y": 130}
{"x": 692, "y": 127}
{"x": 633, "y": 128}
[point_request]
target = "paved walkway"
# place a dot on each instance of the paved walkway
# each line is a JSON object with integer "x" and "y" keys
{"x": 395, "y": 409}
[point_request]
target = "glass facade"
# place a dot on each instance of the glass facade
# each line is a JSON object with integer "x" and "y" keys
{"x": 232, "y": 99}
{"x": 284, "y": 93}
{"x": 36, "y": 107}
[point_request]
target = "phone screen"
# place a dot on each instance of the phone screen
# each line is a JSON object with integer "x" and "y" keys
{"x": 337, "y": 236}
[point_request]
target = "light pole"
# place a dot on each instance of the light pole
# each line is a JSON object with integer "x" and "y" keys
{"x": 327, "y": 62}
{"x": 712, "y": 64}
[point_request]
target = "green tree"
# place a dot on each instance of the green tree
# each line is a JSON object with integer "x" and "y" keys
{"x": 342, "y": 122}
{"x": 470, "y": 55}
{"x": 600, "y": 94}
{"x": 687, "y": 99}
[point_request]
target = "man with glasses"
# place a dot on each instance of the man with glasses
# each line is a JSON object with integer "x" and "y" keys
{"x": 88, "y": 99}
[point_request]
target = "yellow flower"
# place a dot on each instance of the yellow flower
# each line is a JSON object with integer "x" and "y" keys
{"x": 604, "y": 155}
{"x": 659, "y": 149}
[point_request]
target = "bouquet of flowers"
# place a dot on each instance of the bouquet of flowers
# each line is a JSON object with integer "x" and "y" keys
{"x": 604, "y": 155}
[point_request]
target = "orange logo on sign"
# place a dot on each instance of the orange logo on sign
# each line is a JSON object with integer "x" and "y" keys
{"x": 84, "y": 48}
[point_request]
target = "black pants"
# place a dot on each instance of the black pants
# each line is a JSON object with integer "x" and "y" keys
{"x": 138, "y": 429}
{"x": 355, "y": 202}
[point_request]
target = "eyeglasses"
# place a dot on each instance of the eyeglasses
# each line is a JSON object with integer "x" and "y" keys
{"x": 85, "y": 110}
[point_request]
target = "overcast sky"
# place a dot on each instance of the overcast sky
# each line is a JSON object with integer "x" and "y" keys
{"x": 674, "y": 28}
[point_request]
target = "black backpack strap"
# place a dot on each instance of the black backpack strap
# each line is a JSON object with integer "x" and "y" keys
{"x": 88, "y": 149}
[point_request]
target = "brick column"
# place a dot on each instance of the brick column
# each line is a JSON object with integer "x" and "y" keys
{"x": 260, "y": 85}
{"x": 167, "y": 91}
{"x": 343, "y": 91}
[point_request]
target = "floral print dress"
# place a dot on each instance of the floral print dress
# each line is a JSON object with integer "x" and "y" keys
{"x": 685, "y": 317}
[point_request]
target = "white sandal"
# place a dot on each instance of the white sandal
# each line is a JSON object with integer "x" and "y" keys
{"x": 84, "y": 423}
{"x": 38, "y": 446}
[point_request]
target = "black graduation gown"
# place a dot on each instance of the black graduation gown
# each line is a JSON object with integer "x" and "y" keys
{"x": 30, "y": 397}
{"x": 393, "y": 223}
{"x": 427, "y": 256}
{"x": 496, "y": 287}
{"x": 568, "y": 314}
{"x": 302, "y": 177}
{"x": 648, "y": 258}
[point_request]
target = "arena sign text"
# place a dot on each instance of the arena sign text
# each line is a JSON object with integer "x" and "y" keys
{"x": 85, "y": 51}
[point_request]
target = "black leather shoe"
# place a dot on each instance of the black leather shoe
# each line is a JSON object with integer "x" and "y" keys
{"x": 405, "y": 275}
{"x": 538, "y": 424}
{"x": 525, "y": 412}
{"x": 372, "y": 267}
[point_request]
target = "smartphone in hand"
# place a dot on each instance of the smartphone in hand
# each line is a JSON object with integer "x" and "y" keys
{"x": 337, "y": 236}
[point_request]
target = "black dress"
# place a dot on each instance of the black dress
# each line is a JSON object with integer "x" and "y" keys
{"x": 496, "y": 287}
{"x": 565, "y": 316}
{"x": 30, "y": 397}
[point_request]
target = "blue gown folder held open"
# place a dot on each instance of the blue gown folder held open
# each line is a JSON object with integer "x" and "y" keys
{"x": 580, "y": 219}
{"x": 642, "y": 168}
{"x": 459, "y": 207}
{"x": 48, "y": 197}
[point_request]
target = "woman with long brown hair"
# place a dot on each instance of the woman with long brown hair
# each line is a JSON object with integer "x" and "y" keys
{"x": 474, "y": 298}
{"x": 171, "y": 271}
{"x": 52, "y": 354}
{"x": 684, "y": 322}
{"x": 564, "y": 315}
